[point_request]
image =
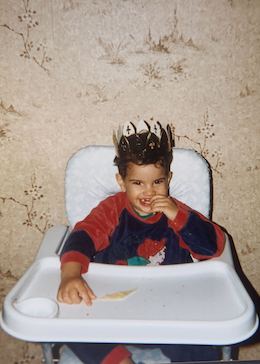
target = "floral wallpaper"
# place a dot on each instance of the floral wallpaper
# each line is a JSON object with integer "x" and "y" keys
{"x": 72, "y": 70}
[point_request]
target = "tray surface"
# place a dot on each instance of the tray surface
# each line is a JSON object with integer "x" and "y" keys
{"x": 200, "y": 303}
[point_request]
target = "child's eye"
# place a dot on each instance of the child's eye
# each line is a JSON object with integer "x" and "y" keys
{"x": 138, "y": 183}
{"x": 158, "y": 181}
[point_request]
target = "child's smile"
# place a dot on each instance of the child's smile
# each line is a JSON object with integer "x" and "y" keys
{"x": 145, "y": 201}
{"x": 142, "y": 184}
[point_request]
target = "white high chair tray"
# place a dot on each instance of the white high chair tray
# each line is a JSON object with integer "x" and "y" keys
{"x": 200, "y": 303}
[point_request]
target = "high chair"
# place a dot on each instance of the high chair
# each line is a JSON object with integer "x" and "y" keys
{"x": 89, "y": 178}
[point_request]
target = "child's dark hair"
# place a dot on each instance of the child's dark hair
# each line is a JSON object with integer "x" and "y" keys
{"x": 144, "y": 148}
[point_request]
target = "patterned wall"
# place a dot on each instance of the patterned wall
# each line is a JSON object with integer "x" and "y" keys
{"x": 72, "y": 70}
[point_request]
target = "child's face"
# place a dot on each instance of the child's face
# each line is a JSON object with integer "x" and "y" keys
{"x": 141, "y": 183}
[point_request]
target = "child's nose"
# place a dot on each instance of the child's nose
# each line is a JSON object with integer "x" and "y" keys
{"x": 149, "y": 191}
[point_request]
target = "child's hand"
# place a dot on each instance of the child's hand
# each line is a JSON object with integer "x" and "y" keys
{"x": 164, "y": 204}
{"x": 73, "y": 288}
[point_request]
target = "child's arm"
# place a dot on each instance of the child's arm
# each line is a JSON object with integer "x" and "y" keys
{"x": 73, "y": 288}
{"x": 88, "y": 237}
{"x": 91, "y": 235}
{"x": 203, "y": 238}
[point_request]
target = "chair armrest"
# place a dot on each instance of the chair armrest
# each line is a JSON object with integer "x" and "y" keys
{"x": 52, "y": 241}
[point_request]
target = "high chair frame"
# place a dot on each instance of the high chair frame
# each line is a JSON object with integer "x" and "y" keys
{"x": 193, "y": 188}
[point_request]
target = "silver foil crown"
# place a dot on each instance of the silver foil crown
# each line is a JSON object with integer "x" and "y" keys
{"x": 144, "y": 137}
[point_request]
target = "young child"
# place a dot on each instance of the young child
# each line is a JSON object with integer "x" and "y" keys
{"x": 141, "y": 225}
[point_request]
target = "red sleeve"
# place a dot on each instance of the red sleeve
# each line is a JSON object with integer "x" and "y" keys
{"x": 91, "y": 235}
{"x": 74, "y": 256}
{"x": 102, "y": 220}
{"x": 180, "y": 219}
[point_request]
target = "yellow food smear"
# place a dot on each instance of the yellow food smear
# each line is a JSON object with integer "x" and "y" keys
{"x": 117, "y": 295}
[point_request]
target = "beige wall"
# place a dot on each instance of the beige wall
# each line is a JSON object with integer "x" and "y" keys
{"x": 72, "y": 70}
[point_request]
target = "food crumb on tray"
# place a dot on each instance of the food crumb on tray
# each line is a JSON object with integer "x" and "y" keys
{"x": 117, "y": 296}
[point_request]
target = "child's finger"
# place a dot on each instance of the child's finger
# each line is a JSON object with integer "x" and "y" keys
{"x": 158, "y": 197}
{"x": 86, "y": 297}
{"x": 74, "y": 296}
{"x": 65, "y": 297}
{"x": 59, "y": 296}
{"x": 86, "y": 294}
{"x": 159, "y": 205}
{"x": 90, "y": 292}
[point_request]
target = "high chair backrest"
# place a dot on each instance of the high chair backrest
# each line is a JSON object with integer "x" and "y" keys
{"x": 90, "y": 178}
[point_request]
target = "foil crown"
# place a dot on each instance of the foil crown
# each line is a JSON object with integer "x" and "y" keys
{"x": 142, "y": 138}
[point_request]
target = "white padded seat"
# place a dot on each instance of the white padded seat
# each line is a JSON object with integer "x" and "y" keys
{"x": 90, "y": 178}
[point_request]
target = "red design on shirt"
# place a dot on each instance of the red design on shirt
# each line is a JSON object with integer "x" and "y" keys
{"x": 150, "y": 247}
{"x": 121, "y": 262}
